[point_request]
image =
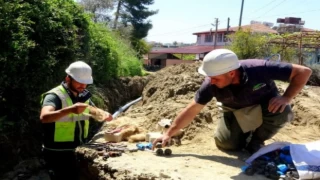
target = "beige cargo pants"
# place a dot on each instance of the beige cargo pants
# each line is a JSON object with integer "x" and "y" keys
{"x": 230, "y": 136}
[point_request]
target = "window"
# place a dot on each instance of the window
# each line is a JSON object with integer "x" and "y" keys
{"x": 198, "y": 39}
{"x": 208, "y": 38}
{"x": 219, "y": 38}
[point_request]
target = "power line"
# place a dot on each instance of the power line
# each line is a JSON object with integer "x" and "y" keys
{"x": 178, "y": 31}
{"x": 264, "y": 6}
{"x": 181, "y": 30}
{"x": 293, "y": 13}
{"x": 271, "y": 8}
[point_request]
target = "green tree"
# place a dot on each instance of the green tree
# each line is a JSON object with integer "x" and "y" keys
{"x": 38, "y": 40}
{"x": 135, "y": 13}
{"x": 100, "y": 9}
{"x": 247, "y": 44}
{"x": 175, "y": 43}
{"x": 110, "y": 55}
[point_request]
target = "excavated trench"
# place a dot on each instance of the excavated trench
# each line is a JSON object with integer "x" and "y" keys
{"x": 115, "y": 94}
{"x": 164, "y": 94}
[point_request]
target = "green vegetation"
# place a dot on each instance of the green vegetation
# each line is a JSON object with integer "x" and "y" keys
{"x": 39, "y": 40}
{"x": 127, "y": 17}
{"x": 110, "y": 56}
{"x": 134, "y": 13}
{"x": 249, "y": 45}
{"x": 186, "y": 56}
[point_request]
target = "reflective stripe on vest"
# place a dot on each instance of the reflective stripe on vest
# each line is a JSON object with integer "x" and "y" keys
{"x": 65, "y": 126}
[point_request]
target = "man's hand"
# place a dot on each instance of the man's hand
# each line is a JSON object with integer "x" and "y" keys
{"x": 78, "y": 108}
{"x": 164, "y": 139}
{"x": 278, "y": 104}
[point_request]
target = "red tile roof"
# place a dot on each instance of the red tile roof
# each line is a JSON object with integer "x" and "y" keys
{"x": 198, "y": 49}
{"x": 253, "y": 27}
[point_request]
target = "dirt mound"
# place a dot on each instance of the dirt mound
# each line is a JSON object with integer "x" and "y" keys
{"x": 164, "y": 94}
{"x": 167, "y": 92}
{"x": 314, "y": 80}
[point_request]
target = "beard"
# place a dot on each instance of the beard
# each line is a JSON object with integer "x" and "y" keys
{"x": 72, "y": 88}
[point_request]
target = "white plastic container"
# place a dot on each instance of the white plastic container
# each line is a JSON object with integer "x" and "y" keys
{"x": 113, "y": 137}
{"x": 151, "y": 136}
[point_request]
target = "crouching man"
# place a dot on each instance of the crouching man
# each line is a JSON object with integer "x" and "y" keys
{"x": 247, "y": 94}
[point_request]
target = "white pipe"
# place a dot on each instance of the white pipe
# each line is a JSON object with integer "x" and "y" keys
{"x": 121, "y": 109}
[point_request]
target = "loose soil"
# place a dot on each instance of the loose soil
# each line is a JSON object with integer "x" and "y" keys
{"x": 164, "y": 94}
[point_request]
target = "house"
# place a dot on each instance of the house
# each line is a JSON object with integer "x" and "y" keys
{"x": 204, "y": 44}
{"x": 208, "y": 37}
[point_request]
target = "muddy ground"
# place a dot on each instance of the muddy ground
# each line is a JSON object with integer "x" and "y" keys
{"x": 164, "y": 94}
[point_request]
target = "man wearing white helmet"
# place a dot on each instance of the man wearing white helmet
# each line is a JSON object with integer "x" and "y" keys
{"x": 65, "y": 120}
{"x": 253, "y": 109}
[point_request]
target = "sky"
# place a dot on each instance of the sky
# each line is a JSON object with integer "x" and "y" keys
{"x": 178, "y": 19}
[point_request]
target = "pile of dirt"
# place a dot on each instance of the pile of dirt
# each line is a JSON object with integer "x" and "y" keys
{"x": 314, "y": 80}
{"x": 167, "y": 92}
{"x": 164, "y": 94}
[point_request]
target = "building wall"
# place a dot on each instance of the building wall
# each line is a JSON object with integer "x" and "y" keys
{"x": 201, "y": 40}
{"x": 157, "y": 56}
{"x": 200, "y": 56}
{"x": 147, "y": 61}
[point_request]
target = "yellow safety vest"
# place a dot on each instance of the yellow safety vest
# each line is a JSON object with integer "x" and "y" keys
{"x": 64, "y": 128}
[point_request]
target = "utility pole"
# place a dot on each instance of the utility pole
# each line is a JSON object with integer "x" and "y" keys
{"x": 241, "y": 15}
{"x": 215, "y": 33}
{"x": 227, "y": 33}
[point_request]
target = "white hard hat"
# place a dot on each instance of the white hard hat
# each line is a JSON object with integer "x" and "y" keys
{"x": 219, "y": 61}
{"x": 81, "y": 72}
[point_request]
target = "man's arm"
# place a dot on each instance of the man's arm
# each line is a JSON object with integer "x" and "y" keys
{"x": 49, "y": 114}
{"x": 298, "y": 78}
{"x": 183, "y": 119}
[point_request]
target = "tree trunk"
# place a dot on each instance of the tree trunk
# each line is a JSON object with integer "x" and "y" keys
{"x": 117, "y": 14}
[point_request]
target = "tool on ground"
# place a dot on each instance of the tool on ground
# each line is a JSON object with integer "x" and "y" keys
{"x": 160, "y": 151}
{"x": 110, "y": 149}
{"x": 144, "y": 146}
